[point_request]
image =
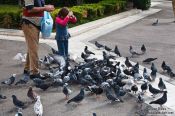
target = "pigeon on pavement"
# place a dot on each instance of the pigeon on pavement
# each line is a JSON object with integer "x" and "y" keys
{"x": 127, "y": 63}
{"x": 155, "y": 23}
{"x": 19, "y": 113}
{"x": 134, "y": 53}
{"x": 134, "y": 88}
{"x": 154, "y": 91}
{"x": 38, "y": 107}
{"x": 149, "y": 60}
{"x": 88, "y": 51}
{"x": 98, "y": 45}
{"x": 144, "y": 87}
{"x": 2, "y": 97}
{"x": 10, "y": 81}
{"x": 17, "y": 103}
{"x": 66, "y": 90}
{"x": 116, "y": 51}
{"x": 78, "y": 98}
{"x": 32, "y": 94}
{"x": 161, "y": 100}
{"x": 143, "y": 49}
{"x": 161, "y": 84}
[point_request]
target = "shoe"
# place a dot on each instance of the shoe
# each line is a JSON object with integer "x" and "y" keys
{"x": 26, "y": 72}
{"x": 37, "y": 76}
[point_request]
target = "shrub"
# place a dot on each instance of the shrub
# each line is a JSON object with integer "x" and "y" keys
{"x": 142, "y": 4}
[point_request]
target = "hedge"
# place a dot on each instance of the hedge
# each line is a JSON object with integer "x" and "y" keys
{"x": 10, "y": 16}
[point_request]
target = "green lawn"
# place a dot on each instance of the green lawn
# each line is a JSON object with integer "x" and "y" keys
{"x": 9, "y": 8}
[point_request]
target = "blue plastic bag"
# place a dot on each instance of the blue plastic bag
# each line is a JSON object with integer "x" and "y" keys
{"x": 46, "y": 25}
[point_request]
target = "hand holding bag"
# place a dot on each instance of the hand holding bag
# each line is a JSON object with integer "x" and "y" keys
{"x": 46, "y": 25}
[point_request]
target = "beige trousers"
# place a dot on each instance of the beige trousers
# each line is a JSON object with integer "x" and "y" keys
{"x": 173, "y": 4}
{"x": 31, "y": 34}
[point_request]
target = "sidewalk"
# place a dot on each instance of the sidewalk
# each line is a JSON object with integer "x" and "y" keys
{"x": 89, "y": 33}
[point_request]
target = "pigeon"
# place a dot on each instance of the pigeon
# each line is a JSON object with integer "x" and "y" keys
{"x": 106, "y": 56}
{"x": 154, "y": 91}
{"x": 165, "y": 67}
{"x": 38, "y": 107}
{"x": 2, "y": 97}
{"x": 32, "y": 94}
{"x": 43, "y": 86}
{"x": 78, "y": 98}
{"x": 144, "y": 87}
{"x": 149, "y": 60}
{"x": 98, "y": 45}
{"x": 38, "y": 81}
{"x": 143, "y": 49}
{"x": 116, "y": 51}
{"x": 95, "y": 89}
{"x": 161, "y": 84}
{"x": 108, "y": 49}
{"x": 110, "y": 96}
{"x": 24, "y": 80}
{"x": 146, "y": 76}
{"x": 19, "y": 113}
{"x": 17, "y": 103}
{"x": 161, "y": 100}
{"x": 127, "y": 63}
{"x": 54, "y": 51}
{"x": 94, "y": 114}
{"x": 88, "y": 51}
{"x": 134, "y": 53}
{"x": 10, "y": 81}
{"x": 153, "y": 71}
{"x": 84, "y": 56}
{"x": 134, "y": 88}
{"x": 155, "y": 23}
{"x": 140, "y": 98}
{"x": 66, "y": 90}
{"x": 20, "y": 57}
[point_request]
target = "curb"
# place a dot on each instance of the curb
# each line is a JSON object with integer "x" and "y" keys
{"x": 81, "y": 28}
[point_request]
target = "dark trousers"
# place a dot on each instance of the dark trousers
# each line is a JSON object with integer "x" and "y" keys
{"x": 62, "y": 47}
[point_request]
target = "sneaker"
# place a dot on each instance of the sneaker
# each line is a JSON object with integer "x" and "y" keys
{"x": 37, "y": 76}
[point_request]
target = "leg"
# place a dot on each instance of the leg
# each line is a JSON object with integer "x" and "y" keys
{"x": 173, "y": 5}
{"x": 32, "y": 39}
{"x": 66, "y": 47}
{"x": 60, "y": 45}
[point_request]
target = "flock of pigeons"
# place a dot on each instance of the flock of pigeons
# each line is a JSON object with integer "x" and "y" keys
{"x": 97, "y": 76}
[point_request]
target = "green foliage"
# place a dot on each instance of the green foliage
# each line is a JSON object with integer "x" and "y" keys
{"x": 142, "y": 4}
{"x": 10, "y": 16}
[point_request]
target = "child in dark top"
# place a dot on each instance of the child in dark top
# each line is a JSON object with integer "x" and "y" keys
{"x": 62, "y": 34}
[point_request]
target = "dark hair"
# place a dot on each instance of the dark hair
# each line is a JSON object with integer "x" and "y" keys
{"x": 63, "y": 12}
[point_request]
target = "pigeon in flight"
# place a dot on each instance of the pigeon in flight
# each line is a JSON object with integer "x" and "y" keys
{"x": 10, "y": 81}
{"x": 161, "y": 100}
{"x": 149, "y": 60}
{"x": 38, "y": 107}
{"x": 88, "y": 51}
{"x": 155, "y": 23}
{"x": 17, "y": 103}
{"x": 78, "y": 98}
{"x": 98, "y": 45}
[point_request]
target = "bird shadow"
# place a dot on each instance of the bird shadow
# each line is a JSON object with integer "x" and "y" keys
{"x": 70, "y": 107}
